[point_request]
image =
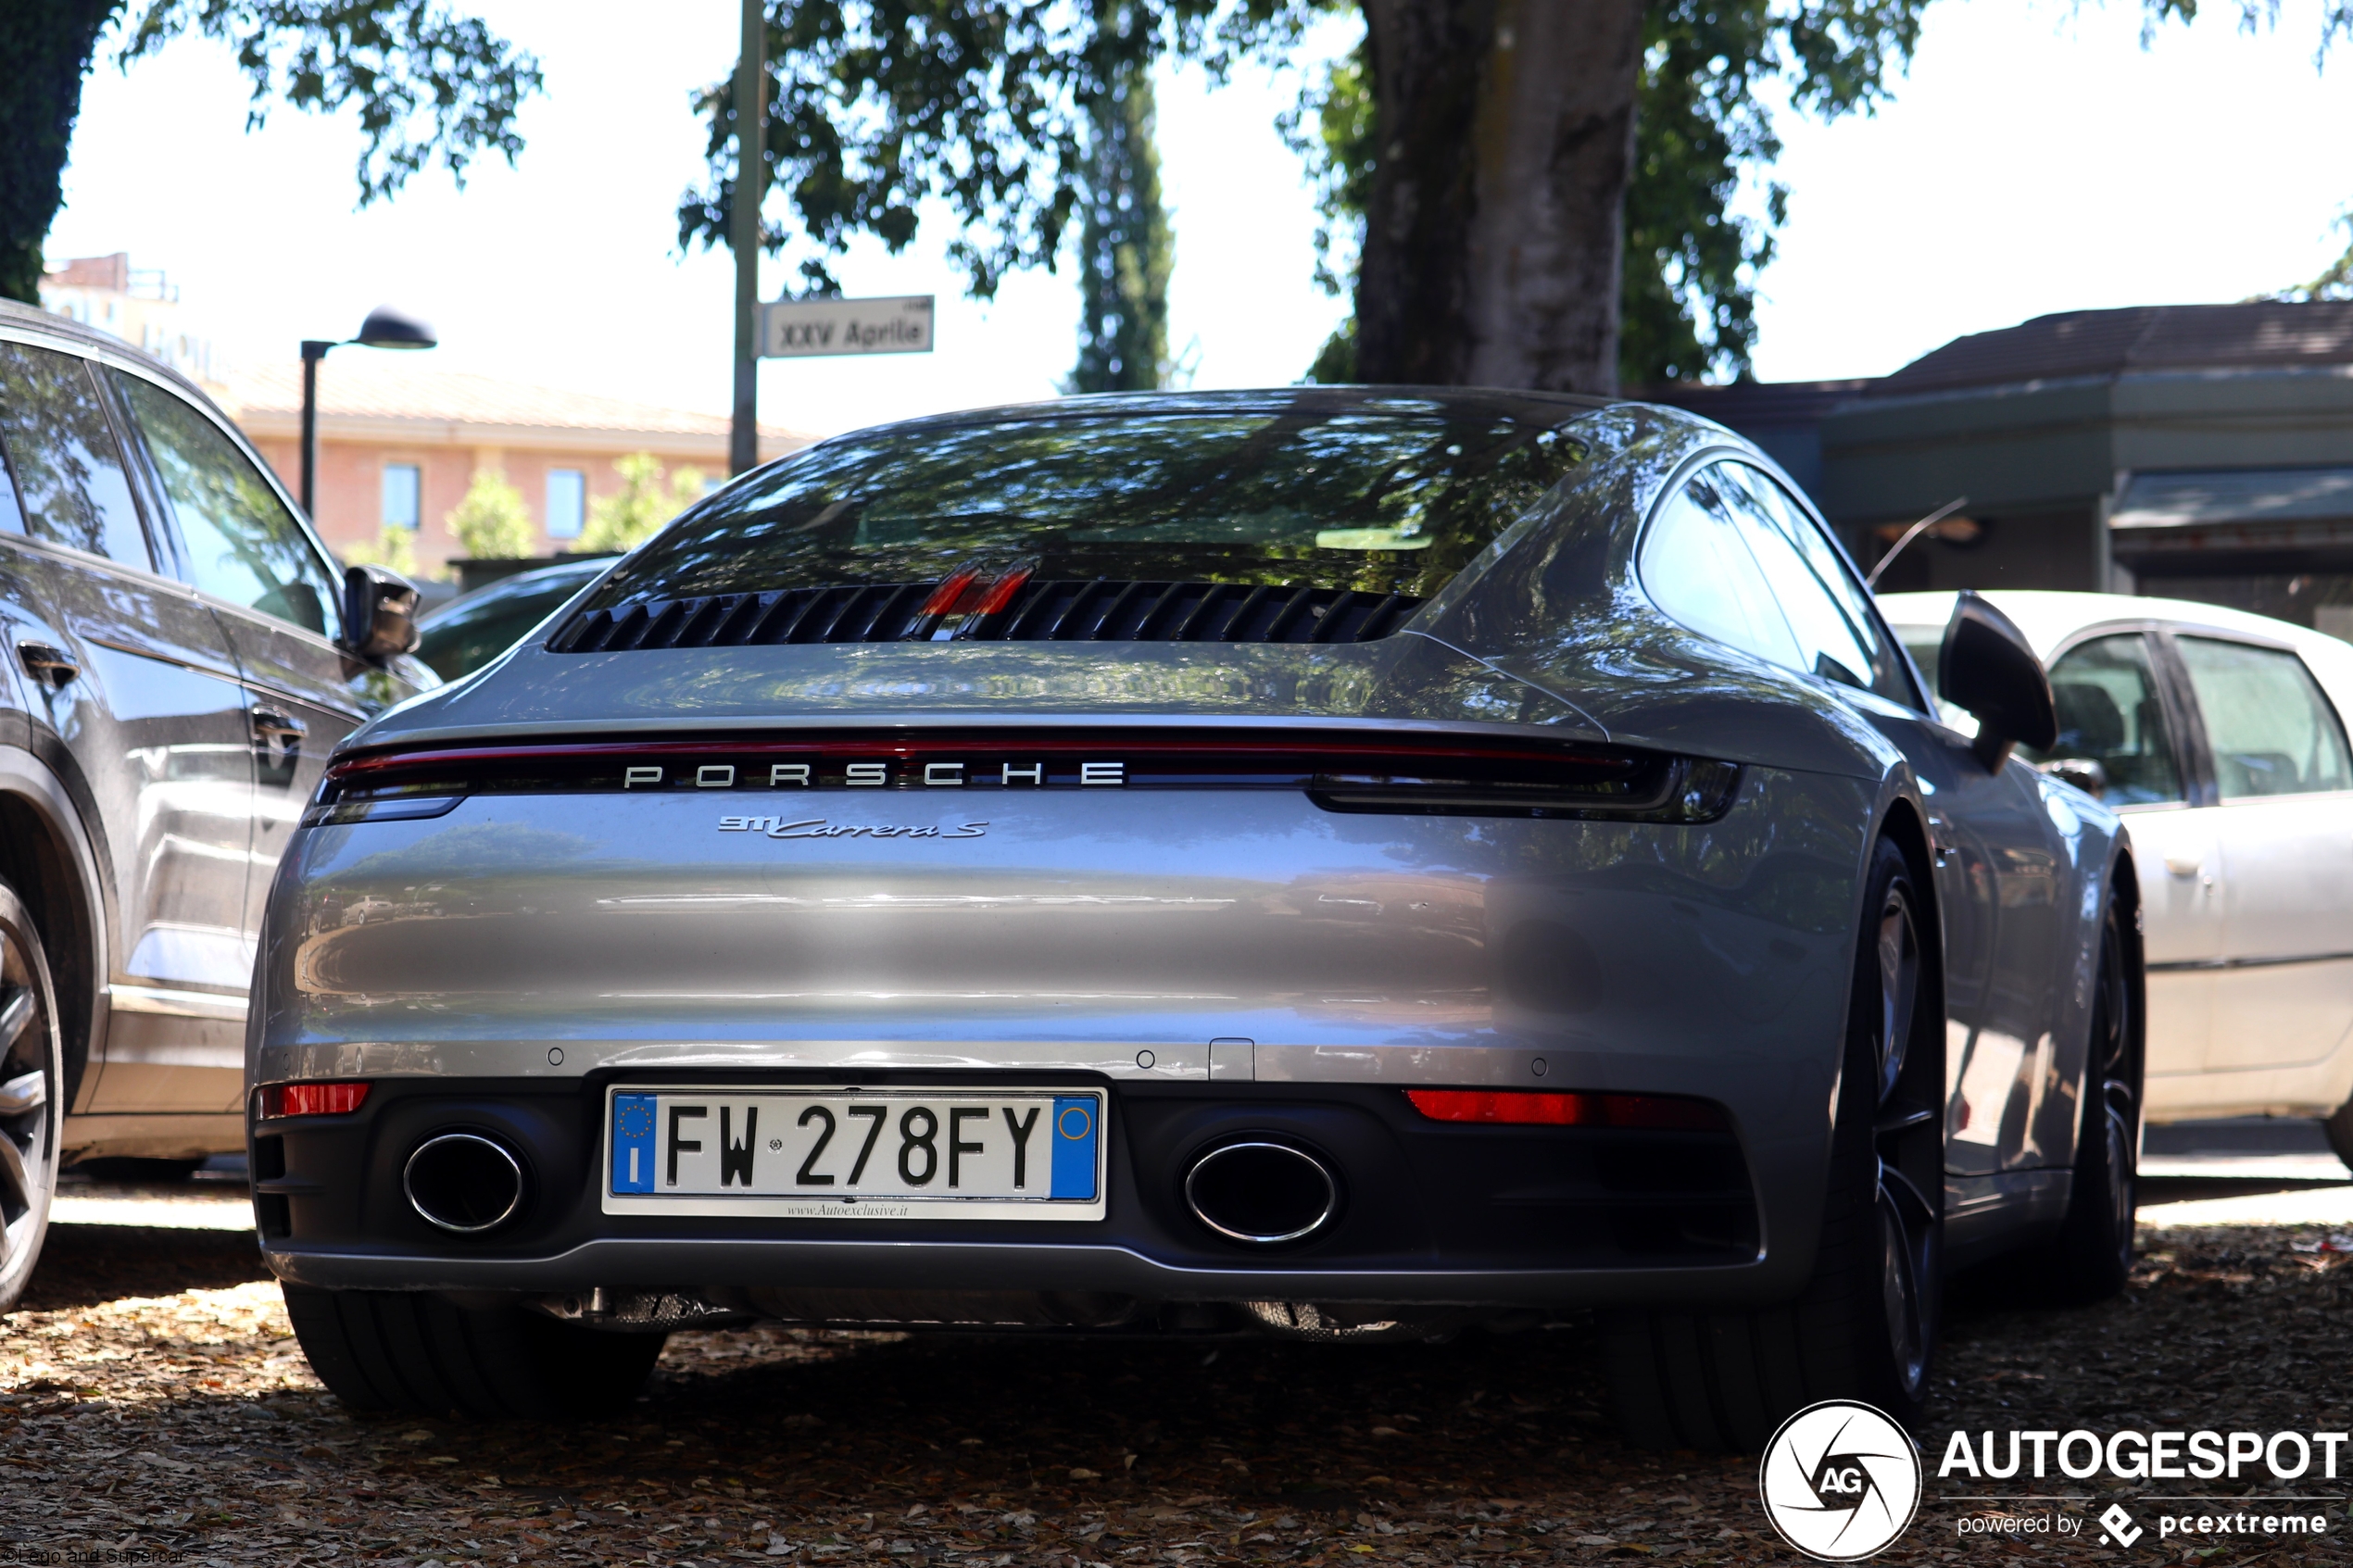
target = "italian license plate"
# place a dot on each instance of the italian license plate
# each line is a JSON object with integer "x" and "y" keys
{"x": 873, "y": 1154}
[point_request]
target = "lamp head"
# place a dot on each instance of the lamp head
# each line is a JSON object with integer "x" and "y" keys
{"x": 389, "y": 327}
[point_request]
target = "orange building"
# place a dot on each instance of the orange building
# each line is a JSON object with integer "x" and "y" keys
{"x": 399, "y": 443}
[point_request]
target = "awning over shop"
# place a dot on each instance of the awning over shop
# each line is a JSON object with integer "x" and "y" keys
{"x": 2236, "y": 519}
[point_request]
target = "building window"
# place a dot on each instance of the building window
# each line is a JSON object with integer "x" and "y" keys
{"x": 402, "y": 483}
{"x": 567, "y": 503}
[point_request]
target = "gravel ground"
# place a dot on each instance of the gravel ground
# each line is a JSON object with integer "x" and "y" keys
{"x": 152, "y": 1399}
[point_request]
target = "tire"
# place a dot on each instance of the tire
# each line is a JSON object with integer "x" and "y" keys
{"x": 32, "y": 1099}
{"x": 2339, "y": 1128}
{"x": 413, "y": 1353}
{"x": 2092, "y": 1255}
{"x": 1866, "y": 1326}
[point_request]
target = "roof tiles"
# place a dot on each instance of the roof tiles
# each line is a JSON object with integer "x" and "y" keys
{"x": 2266, "y": 333}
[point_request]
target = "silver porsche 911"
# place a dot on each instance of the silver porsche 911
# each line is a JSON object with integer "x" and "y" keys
{"x": 1335, "y": 863}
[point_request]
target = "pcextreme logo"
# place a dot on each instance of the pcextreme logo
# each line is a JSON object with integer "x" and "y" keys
{"x": 1840, "y": 1481}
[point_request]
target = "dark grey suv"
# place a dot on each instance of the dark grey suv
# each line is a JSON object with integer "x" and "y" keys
{"x": 182, "y": 655}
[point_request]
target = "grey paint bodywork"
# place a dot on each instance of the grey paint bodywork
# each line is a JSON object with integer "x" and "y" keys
{"x": 544, "y": 938}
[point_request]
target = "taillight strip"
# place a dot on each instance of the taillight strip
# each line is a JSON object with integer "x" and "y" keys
{"x": 1343, "y": 773}
{"x": 908, "y": 748}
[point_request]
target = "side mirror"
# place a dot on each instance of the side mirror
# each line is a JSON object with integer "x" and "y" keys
{"x": 2084, "y": 773}
{"x": 1988, "y": 669}
{"x": 379, "y": 613}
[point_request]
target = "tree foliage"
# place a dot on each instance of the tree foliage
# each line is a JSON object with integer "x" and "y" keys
{"x": 393, "y": 547}
{"x": 880, "y": 106}
{"x": 427, "y": 82}
{"x": 2335, "y": 280}
{"x": 1125, "y": 250}
{"x": 636, "y": 512}
{"x": 491, "y": 522}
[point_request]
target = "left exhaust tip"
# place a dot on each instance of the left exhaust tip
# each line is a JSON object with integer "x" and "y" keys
{"x": 463, "y": 1182}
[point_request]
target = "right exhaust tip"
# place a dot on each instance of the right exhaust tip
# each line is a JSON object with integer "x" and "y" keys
{"x": 463, "y": 1182}
{"x": 1262, "y": 1193}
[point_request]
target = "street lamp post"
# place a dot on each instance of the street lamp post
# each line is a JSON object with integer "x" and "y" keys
{"x": 385, "y": 327}
{"x": 752, "y": 181}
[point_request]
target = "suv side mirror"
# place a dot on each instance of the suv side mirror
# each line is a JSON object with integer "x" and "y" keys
{"x": 1988, "y": 669}
{"x": 379, "y": 613}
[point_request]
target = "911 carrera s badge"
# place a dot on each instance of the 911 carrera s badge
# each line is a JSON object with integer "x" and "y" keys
{"x": 818, "y": 827}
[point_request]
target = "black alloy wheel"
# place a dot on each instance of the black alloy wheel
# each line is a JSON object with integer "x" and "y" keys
{"x": 32, "y": 1098}
{"x": 2117, "y": 1069}
{"x": 2092, "y": 1255}
{"x": 1906, "y": 1138}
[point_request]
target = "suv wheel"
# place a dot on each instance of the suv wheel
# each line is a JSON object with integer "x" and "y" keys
{"x": 418, "y": 1354}
{"x": 32, "y": 1096}
{"x": 1866, "y": 1327}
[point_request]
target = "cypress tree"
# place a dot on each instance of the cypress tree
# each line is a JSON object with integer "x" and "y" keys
{"x": 1124, "y": 248}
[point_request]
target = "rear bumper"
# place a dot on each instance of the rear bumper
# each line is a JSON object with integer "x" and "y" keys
{"x": 1432, "y": 1213}
{"x": 723, "y": 1264}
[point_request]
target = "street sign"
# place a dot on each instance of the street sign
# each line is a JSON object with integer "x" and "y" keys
{"x": 797, "y": 329}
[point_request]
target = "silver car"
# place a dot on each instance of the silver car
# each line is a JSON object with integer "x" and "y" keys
{"x": 1338, "y": 863}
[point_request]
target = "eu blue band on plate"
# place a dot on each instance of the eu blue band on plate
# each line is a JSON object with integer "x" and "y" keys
{"x": 1075, "y": 1130}
{"x": 633, "y": 1143}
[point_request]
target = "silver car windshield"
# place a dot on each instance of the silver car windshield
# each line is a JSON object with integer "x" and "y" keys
{"x": 1389, "y": 498}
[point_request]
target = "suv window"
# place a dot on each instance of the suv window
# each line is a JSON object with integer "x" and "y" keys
{"x": 2269, "y": 727}
{"x": 2111, "y": 712}
{"x": 70, "y": 474}
{"x": 1696, "y": 567}
{"x": 1826, "y": 608}
{"x": 243, "y": 544}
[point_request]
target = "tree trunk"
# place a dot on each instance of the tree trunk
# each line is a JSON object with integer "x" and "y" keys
{"x": 1494, "y": 238}
{"x": 44, "y": 52}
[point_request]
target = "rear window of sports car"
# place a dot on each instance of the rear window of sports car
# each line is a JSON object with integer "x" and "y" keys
{"x": 1391, "y": 500}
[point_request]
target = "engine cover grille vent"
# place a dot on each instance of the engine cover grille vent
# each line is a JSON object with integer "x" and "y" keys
{"x": 1096, "y": 611}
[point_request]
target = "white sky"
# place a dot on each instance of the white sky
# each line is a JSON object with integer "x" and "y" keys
{"x": 2037, "y": 159}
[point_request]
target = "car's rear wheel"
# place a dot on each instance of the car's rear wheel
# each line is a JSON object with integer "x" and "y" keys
{"x": 419, "y": 1354}
{"x": 2092, "y": 1255}
{"x": 32, "y": 1096}
{"x": 1867, "y": 1326}
{"x": 2339, "y": 1128}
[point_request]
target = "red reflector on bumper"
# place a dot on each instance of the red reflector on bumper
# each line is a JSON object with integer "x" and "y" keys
{"x": 1526, "y": 1108}
{"x": 312, "y": 1100}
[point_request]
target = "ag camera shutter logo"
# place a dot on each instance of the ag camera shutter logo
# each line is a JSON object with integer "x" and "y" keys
{"x": 1840, "y": 1481}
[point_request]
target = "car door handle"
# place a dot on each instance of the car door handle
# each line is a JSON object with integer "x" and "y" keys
{"x": 2181, "y": 865}
{"x": 279, "y": 735}
{"x": 47, "y": 664}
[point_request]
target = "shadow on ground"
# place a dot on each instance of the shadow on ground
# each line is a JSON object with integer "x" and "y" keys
{"x": 84, "y": 1265}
